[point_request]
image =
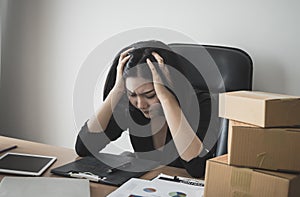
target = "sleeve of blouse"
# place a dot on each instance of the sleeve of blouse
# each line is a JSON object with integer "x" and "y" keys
{"x": 89, "y": 143}
{"x": 196, "y": 166}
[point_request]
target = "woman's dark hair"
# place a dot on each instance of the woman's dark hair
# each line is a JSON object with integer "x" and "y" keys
{"x": 134, "y": 67}
{"x": 137, "y": 65}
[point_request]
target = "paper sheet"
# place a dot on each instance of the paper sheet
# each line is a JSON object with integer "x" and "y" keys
{"x": 156, "y": 188}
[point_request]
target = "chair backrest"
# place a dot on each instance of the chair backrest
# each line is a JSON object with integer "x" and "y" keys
{"x": 235, "y": 67}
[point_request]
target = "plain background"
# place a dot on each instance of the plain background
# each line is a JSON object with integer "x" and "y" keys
{"x": 45, "y": 42}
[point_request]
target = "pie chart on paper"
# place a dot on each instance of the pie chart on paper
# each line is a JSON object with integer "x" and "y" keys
{"x": 177, "y": 194}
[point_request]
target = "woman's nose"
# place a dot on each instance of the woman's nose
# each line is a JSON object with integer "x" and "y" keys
{"x": 141, "y": 103}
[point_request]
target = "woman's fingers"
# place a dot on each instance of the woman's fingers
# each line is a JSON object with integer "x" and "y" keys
{"x": 161, "y": 92}
{"x": 121, "y": 66}
{"x": 163, "y": 67}
{"x": 124, "y": 54}
{"x": 158, "y": 58}
{"x": 124, "y": 57}
{"x": 155, "y": 75}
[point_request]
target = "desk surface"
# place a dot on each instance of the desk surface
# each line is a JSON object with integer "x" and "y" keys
{"x": 65, "y": 155}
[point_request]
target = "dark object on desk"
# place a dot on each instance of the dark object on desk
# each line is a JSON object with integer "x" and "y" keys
{"x": 178, "y": 180}
{"x": 25, "y": 164}
{"x": 106, "y": 168}
{"x": 8, "y": 148}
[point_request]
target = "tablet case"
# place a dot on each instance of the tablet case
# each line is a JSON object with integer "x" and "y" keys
{"x": 25, "y": 164}
{"x": 106, "y": 168}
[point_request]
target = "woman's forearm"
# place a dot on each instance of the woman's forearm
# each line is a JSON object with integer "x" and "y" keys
{"x": 99, "y": 121}
{"x": 186, "y": 141}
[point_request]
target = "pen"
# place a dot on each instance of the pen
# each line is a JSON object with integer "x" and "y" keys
{"x": 175, "y": 179}
{"x": 111, "y": 170}
{"x": 187, "y": 181}
{"x": 87, "y": 175}
{"x": 8, "y": 148}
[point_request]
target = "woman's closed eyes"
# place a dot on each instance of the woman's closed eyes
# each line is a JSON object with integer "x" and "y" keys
{"x": 148, "y": 94}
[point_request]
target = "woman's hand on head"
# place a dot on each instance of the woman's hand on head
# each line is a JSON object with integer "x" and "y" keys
{"x": 161, "y": 91}
{"x": 163, "y": 68}
{"x": 124, "y": 57}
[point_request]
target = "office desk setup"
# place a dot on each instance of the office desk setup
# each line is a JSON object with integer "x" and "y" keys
{"x": 66, "y": 155}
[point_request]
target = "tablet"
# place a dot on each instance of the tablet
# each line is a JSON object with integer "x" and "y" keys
{"x": 25, "y": 164}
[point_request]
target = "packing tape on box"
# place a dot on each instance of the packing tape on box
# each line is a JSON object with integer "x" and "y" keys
{"x": 240, "y": 180}
{"x": 278, "y": 139}
{"x": 260, "y": 158}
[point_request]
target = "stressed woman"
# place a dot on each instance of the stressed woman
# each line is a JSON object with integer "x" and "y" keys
{"x": 146, "y": 96}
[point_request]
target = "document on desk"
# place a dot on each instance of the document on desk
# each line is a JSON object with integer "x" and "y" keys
{"x": 44, "y": 186}
{"x": 157, "y": 188}
{"x": 106, "y": 169}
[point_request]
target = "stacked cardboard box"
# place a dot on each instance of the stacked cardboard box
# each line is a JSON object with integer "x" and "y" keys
{"x": 224, "y": 180}
{"x": 263, "y": 140}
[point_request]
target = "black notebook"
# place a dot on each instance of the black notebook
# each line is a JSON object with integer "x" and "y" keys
{"x": 106, "y": 168}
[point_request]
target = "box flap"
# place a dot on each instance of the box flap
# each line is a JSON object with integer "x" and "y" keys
{"x": 288, "y": 176}
{"x": 293, "y": 129}
{"x": 223, "y": 159}
{"x": 260, "y": 129}
{"x": 261, "y": 95}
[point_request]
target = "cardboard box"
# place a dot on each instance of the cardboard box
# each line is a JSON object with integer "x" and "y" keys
{"x": 229, "y": 181}
{"x": 260, "y": 108}
{"x": 264, "y": 148}
{"x": 232, "y": 123}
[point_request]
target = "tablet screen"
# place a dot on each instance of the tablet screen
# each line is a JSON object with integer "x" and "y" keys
{"x": 25, "y": 164}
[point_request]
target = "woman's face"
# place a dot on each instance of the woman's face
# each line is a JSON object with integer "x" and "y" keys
{"x": 141, "y": 94}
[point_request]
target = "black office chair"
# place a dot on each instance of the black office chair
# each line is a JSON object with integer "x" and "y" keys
{"x": 232, "y": 70}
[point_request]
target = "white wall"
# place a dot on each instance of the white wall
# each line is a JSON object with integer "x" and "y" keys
{"x": 45, "y": 42}
{"x": 3, "y": 9}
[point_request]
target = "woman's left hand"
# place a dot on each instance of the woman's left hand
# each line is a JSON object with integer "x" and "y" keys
{"x": 161, "y": 91}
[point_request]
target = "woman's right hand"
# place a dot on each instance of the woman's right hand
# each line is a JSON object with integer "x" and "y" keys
{"x": 124, "y": 57}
